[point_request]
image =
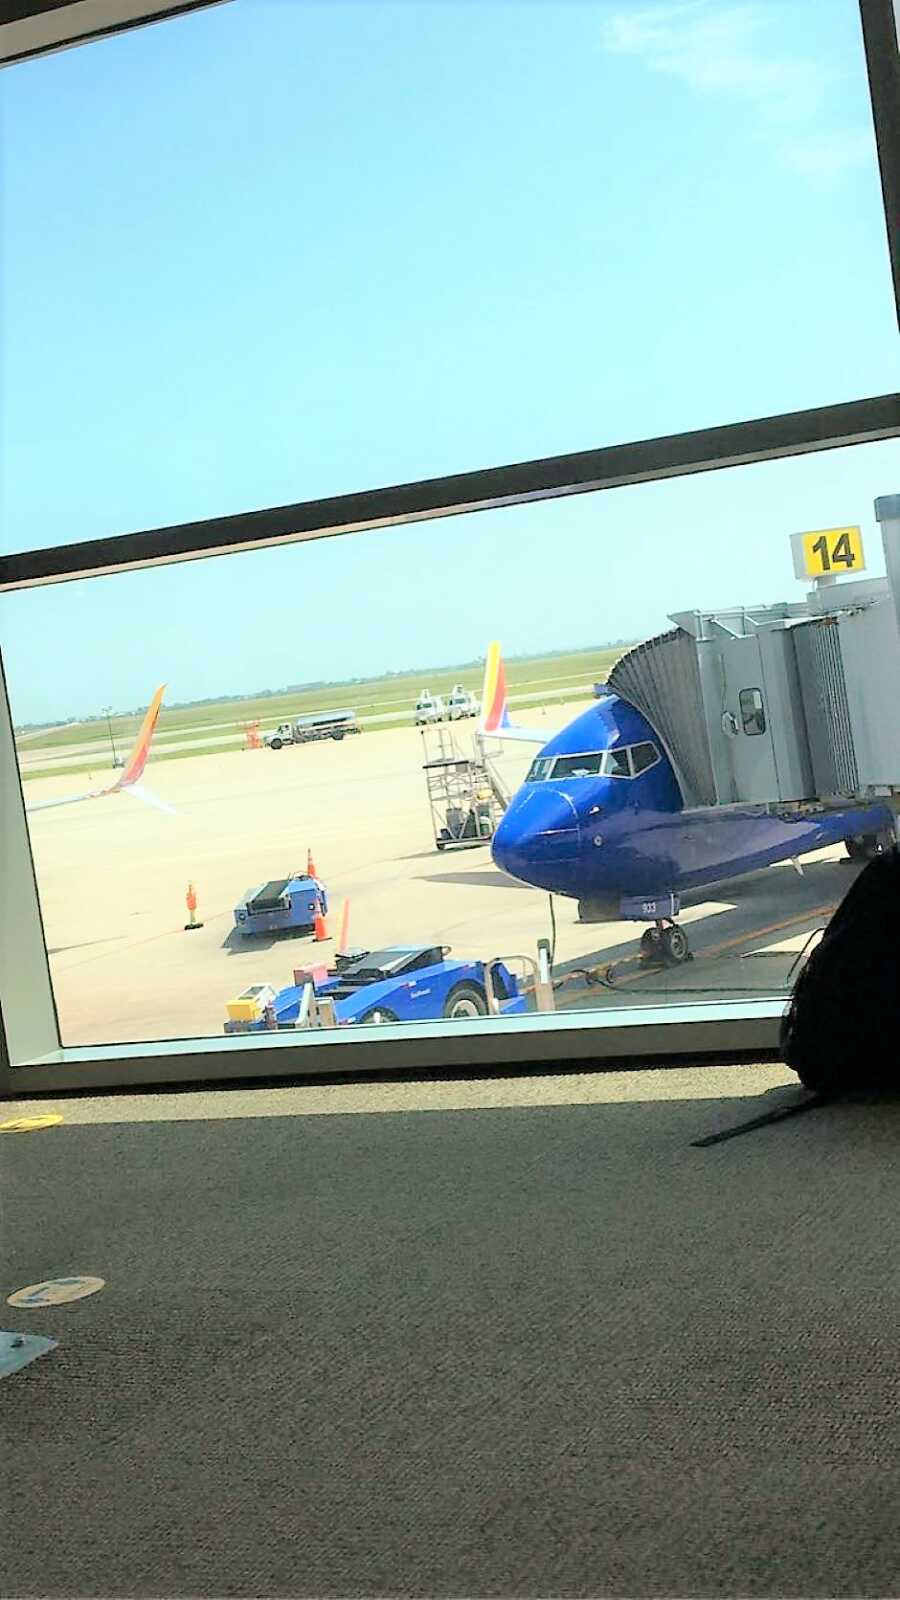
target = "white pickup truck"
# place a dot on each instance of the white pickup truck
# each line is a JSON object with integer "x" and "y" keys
{"x": 429, "y": 708}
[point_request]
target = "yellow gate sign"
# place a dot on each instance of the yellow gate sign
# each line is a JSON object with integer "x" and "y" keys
{"x": 828, "y": 552}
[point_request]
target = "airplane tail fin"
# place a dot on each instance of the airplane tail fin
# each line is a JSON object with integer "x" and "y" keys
{"x": 496, "y": 722}
{"x": 494, "y": 703}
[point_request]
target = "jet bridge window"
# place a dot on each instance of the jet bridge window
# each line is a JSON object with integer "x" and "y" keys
{"x": 753, "y": 716}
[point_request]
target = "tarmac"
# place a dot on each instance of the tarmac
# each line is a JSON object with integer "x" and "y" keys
{"x": 113, "y": 875}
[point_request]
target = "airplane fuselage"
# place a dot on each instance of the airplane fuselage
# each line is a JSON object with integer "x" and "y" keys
{"x": 600, "y": 818}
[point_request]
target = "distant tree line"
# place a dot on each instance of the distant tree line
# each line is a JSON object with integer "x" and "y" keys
{"x": 317, "y": 683}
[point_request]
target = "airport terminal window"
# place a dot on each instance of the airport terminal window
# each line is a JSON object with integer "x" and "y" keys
{"x": 448, "y": 831}
{"x": 753, "y": 716}
{"x": 404, "y": 357}
{"x": 439, "y": 842}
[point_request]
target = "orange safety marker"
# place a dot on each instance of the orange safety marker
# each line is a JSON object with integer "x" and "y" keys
{"x": 345, "y": 927}
{"x": 190, "y": 901}
{"x": 310, "y": 866}
{"x": 321, "y": 926}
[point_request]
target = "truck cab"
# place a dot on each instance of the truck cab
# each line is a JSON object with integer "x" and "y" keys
{"x": 461, "y": 703}
{"x": 284, "y": 734}
{"x": 429, "y": 708}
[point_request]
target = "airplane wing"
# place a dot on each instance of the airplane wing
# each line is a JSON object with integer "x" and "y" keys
{"x": 495, "y": 721}
{"x": 128, "y": 781}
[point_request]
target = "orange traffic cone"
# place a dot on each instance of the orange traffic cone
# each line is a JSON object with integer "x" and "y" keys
{"x": 310, "y": 866}
{"x": 320, "y": 931}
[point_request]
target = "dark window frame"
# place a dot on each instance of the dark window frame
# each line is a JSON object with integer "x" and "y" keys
{"x": 29, "y": 1032}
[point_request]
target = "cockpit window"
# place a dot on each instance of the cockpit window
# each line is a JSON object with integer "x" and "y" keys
{"x": 626, "y": 761}
{"x": 643, "y": 756}
{"x": 615, "y": 764}
{"x": 587, "y": 765}
{"x": 539, "y": 769}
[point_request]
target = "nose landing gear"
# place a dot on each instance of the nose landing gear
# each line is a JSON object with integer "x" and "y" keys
{"x": 665, "y": 941}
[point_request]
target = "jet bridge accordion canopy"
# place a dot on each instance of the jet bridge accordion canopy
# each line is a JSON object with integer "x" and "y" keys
{"x": 775, "y": 705}
{"x": 661, "y": 679}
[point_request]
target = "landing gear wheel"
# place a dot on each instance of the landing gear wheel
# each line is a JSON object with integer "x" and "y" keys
{"x": 674, "y": 942}
{"x": 466, "y": 1000}
{"x": 651, "y": 945}
{"x": 379, "y": 1014}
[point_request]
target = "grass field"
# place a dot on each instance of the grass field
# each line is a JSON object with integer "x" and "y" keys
{"x": 528, "y": 681}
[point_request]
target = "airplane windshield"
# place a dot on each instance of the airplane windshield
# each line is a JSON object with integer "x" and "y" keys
{"x": 586, "y": 765}
{"x": 540, "y": 769}
{"x": 590, "y": 764}
{"x": 615, "y": 764}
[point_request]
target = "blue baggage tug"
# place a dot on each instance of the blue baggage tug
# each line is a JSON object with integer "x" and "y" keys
{"x": 291, "y": 903}
{"x": 413, "y": 983}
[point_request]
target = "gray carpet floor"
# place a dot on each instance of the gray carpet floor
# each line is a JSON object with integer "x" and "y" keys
{"x": 537, "y": 1350}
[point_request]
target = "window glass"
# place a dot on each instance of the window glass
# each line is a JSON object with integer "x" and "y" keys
{"x": 753, "y": 716}
{"x": 586, "y": 765}
{"x": 415, "y": 223}
{"x": 615, "y": 764}
{"x": 643, "y": 756}
{"x": 540, "y": 770}
{"x": 430, "y": 836}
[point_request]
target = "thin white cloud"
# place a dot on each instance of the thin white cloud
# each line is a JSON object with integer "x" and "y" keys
{"x": 708, "y": 47}
{"x": 829, "y": 156}
{"x": 729, "y": 47}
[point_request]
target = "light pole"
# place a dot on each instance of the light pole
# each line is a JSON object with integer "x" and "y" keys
{"x": 107, "y": 712}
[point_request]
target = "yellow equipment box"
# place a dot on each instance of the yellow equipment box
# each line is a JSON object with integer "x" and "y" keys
{"x": 250, "y": 1005}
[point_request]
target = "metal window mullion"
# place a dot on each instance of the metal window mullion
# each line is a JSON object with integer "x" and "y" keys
{"x": 554, "y": 477}
{"x": 880, "y": 29}
{"x": 29, "y": 1026}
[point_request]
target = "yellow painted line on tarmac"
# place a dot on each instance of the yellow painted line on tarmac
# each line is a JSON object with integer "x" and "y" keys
{"x": 712, "y": 950}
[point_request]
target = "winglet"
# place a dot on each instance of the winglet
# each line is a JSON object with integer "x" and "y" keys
{"x": 128, "y": 781}
{"x": 141, "y": 749}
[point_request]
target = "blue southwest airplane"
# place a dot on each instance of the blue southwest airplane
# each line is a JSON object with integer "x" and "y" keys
{"x": 600, "y": 818}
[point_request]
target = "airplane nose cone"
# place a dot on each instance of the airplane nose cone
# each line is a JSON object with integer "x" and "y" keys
{"x": 539, "y": 831}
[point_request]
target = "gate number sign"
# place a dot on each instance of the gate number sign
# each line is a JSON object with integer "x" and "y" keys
{"x": 828, "y": 553}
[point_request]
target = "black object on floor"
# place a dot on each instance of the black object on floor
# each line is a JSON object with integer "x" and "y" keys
{"x": 760, "y": 1122}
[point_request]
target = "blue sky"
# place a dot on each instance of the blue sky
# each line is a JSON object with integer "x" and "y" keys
{"x": 274, "y": 251}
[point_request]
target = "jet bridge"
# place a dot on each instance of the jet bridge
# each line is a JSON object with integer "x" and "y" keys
{"x": 784, "y": 705}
